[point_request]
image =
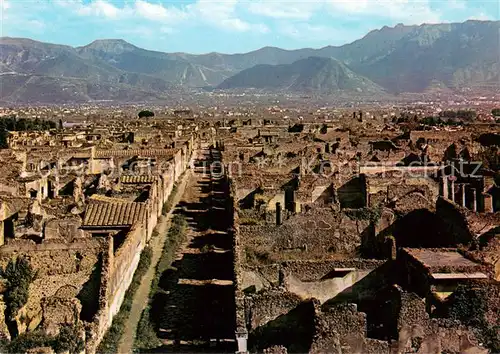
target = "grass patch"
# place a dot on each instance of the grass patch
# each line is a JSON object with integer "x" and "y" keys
{"x": 146, "y": 336}
{"x": 250, "y": 221}
{"x": 257, "y": 257}
{"x": 112, "y": 338}
{"x": 169, "y": 204}
{"x": 207, "y": 248}
{"x": 367, "y": 214}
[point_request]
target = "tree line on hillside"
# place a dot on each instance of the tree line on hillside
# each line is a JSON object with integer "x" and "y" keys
{"x": 13, "y": 123}
{"x": 464, "y": 114}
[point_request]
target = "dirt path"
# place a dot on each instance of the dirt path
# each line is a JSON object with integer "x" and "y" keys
{"x": 141, "y": 297}
{"x": 198, "y": 302}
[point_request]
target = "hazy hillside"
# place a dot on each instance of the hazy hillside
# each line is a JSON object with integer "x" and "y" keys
{"x": 458, "y": 55}
{"x": 311, "y": 74}
{"x": 398, "y": 59}
{"x": 170, "y": 67}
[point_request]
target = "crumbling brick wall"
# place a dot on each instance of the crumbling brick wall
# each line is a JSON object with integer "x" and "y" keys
{"x": 455, "y": 220}
{"x": 339, "y": 329}
{"x": 58, "y": 265}
{"x": 276, "y": 317}
{"x": 314, "y": 234}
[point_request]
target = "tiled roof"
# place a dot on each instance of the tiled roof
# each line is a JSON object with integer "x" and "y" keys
{"x": 134, "y": 152}
{"x": 103, "y": 198}
{"x": 113, "y": 214}
{"x": 81, "y": 155}
{"x": 144, "y": 179}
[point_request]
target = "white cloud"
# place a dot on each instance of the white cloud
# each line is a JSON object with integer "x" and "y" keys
{"x": 315, "y": 33}
{"x": 4, "y": 5}
{"x": 157, "y": 12}
{"x": 222, "y": 14}
{"x": 35, "y": 25}
{"x": 167, "y": 30}
{"x": 409, "y": 12}
{"x": 482, "y": 17}
{"x": 101, "y": 8}
{"x": 456, "y": 4}
{"x": 284, "y": 9}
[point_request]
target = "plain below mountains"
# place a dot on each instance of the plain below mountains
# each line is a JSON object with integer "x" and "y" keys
{"x": 392, "y": 59}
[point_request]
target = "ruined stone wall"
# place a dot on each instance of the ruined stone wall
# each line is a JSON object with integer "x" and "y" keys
{"x": 152, "y": 216}
{"x": 63, "y": 229}
{"x": 315, "y": 234}
{"x": 441, "y": 135}
{"x": 383, "y": 189}
{"x": 353, "y": 193}
{"x": 62, "y": 270}
{"x": 268, "y": 305}
{"x": 391, "y": 167}
{"x": 342, "y": 329}
{"x": 418, "y": 332}
{"x": 178, "y": 164}
{"x": 356, "y": 279}
{"x": 309, "y": 271}
{"x": 54, "y": 257}
{"x": 237, "y": 267}
{"x": 123, "y": 267}
{"x": 97, "y": 166}
{"x": 324, "y": 289}
{"x": 119, "y": 267}
{"x": 12, "y": 189}
{"x": 167, "y": 180}
{"x": 455, "y": 220}
{"x": 102, "y": 319}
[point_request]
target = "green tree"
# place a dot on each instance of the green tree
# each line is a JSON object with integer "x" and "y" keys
{"x": 496, "y": 112}
{"x": 69, "y": 340}
{"x": 146, "y": 114}
{"x": 19, "y": 275}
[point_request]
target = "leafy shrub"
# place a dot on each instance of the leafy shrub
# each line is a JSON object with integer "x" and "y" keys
{"x": 257, "y": 256}
{"x": 29, "y": 340}
{"x": 170, "y": 201}
{"x": 146, "y": 337}
{"x": 175, "y": 237}
{"x": 207, "y": 248}
{"x": 250, "y": 221}
{"x": 469, "y": 304}
{"x": 19, "y": 275}
{"x": 68, "y": 340}
{"x": 369, "y": 214}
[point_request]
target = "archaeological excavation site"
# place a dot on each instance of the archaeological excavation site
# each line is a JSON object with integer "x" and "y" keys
{"x": 245, "y": 231}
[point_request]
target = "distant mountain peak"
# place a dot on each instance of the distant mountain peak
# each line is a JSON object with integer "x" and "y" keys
{"x": 319, "y": 74}
{"x": 394, "y": 59}
{"x": 110, "y": 45}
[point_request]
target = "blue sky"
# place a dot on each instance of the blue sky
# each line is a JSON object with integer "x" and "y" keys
{"x": 229, "y": 26}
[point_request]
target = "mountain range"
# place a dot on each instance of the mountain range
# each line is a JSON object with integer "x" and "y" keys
{"x": 391, "y": 60}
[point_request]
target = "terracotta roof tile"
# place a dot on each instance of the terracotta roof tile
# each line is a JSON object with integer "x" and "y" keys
{"x": 114, "y": 214}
